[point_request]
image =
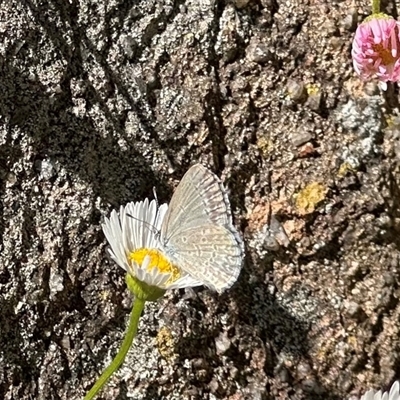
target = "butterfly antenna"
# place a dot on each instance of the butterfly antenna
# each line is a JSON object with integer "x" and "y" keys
{"x": 152, "y": 226}
{"x": 155, "y": 197}
{"x": 156, "y": 231}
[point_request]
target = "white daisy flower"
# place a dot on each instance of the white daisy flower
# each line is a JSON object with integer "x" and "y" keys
{"x": 392, "y": 395}
{"x": 133, "y": 235}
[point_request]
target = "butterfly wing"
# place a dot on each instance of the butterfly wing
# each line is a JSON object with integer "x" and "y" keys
{"x": 210, "y": 253}
{"x": 199, "y": 197}
{"x": 197, "y": 231}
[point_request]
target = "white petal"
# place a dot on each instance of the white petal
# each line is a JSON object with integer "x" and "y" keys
{"x": 369, "y": 395}
{"x": 394, "y": 393}
{"x": 113, "y": 232}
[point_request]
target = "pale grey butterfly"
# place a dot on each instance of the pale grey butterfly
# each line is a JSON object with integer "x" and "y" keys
{"x": 197, "y": 232}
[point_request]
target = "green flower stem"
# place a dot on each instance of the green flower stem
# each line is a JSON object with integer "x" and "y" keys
{"x": 137, "y": 309}
{"x": 376, "y": 6}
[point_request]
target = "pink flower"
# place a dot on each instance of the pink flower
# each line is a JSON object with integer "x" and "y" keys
{"x": 376, "y": 49}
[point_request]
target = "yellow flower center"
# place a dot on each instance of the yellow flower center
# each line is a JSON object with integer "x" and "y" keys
{"x": 385, "y": 54}
{"x": 157, "y": 260}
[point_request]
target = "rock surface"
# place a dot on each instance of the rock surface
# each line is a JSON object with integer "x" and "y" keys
{"x": 102, "y": 100}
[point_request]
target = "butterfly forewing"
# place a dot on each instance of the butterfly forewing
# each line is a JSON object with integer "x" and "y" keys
{"x": 199, "y": 197}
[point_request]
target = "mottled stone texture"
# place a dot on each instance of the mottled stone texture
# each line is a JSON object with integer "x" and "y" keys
{"x": 102, "y": 100}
